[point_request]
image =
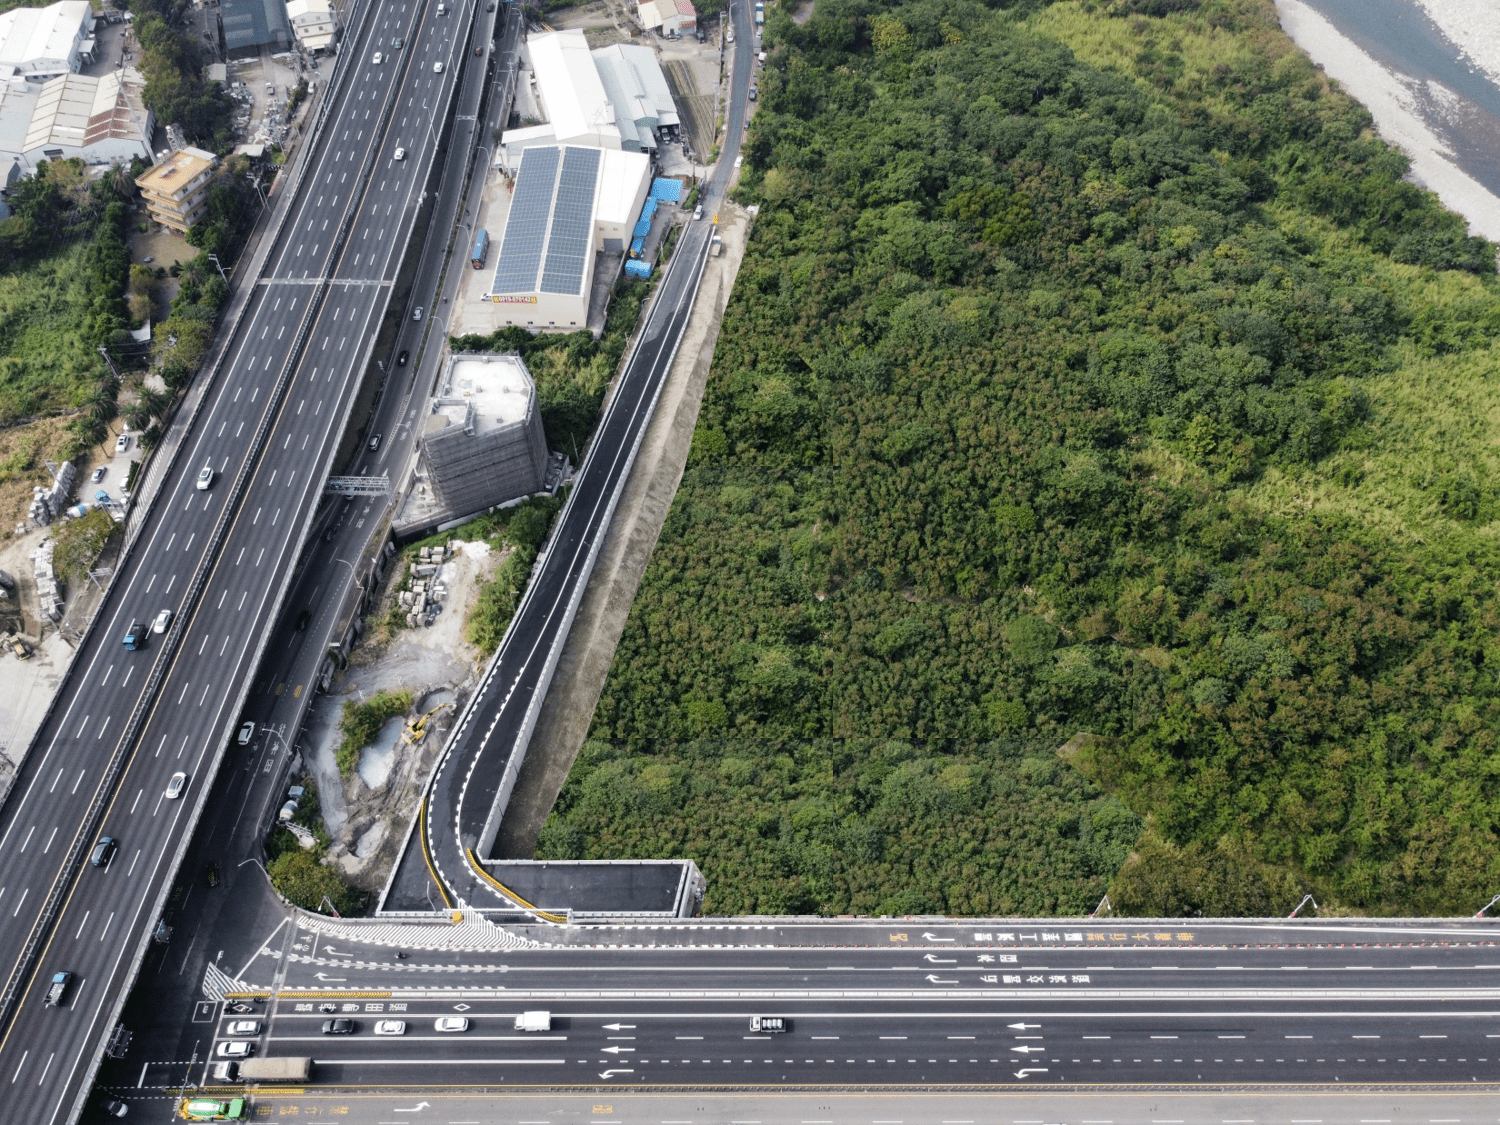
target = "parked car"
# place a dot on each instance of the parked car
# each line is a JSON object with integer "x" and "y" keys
{"x": 122, "y": 443}
{"x": 98, "y": 474}
{"x": 176, "y": 785}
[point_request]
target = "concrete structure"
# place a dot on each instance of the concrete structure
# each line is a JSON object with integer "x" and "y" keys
{"x": 483, "y": 443}
{"x": 41, "y": 43}
{"x": 605, "y": 890}
{"x": 99, "y": 120}
{"x": 638, "y": 90}
{"x": 250, "y": 25}
{"x": 176, "y": 190}
{"x": 667, "y": 15}
{"x": 312, "y": 23}
{"x": 569, "y": 203}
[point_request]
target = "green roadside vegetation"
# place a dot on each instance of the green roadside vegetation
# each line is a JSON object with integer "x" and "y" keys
{"x": 299, "y": 874}
{"x": 77, "y": 543}
{"x": 524, "y": 528}
{"x": 361, "y": 722}
{"x": 1093, "y": 382}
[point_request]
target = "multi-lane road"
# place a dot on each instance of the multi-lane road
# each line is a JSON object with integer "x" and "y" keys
{"x": 215, "y": 559}
{"x": 474, "y": 777}
{"x": 913, "y": 1005}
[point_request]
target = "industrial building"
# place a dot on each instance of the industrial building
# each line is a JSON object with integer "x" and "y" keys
{"x": 176, "y": 190}
{"x": 570, "y": 202}
{"x": 483, "y": 443}
{"x": 41, "y": 43}
{"x": 99, "y": 120}
{"x": 613, "y": 98}
{"x": 250, "y": 25}
{"x": 667, "y": 15}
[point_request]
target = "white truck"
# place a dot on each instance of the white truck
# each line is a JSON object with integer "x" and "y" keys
{"x": 534, "y": 1021}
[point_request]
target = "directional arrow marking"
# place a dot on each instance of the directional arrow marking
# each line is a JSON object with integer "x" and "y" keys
{"x": 619, "y": 1027}
{"x": 936, "y": 960}
{"x": 934, "y": 937}
{"x": 612, "y": 1073}
{"x": 933, "y": 978}
{"x": 1031, "y": 1070}
{"x": 325, "y": 977}
{"x": 1028, "y": 1050}
{"x": 418, "y": 1108}
{"x": 1023, "y": 1026}
{"x": 616, "y": 1050}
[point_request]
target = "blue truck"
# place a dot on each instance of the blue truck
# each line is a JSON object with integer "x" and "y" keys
{"x": 481, "y": 247}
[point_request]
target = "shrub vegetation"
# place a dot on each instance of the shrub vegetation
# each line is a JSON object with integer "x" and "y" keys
{"x": 1094, "y": 378}
{"x": 361, "y": 722}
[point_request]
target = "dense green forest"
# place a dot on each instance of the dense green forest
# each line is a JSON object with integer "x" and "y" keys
{"x": 1098, "y": 460}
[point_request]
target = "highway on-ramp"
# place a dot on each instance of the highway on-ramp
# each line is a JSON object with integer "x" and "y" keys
{"x": 215, "y": 559}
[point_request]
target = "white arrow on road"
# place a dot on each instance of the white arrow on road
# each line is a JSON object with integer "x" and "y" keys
{"x": 612, "y": 1073}
{"x": 325, "y": 977}
{"x": 418, "y": 1108}
{"x": 936, "y": 960}
{"x": 617, "y": 1050}
{"x": 335, "y": 952}
{"x": 934, "y": 937}
{"x": 933, "y": 978}
{"x": 1028, "y": 1050}
{"x": 619, "y": 1027}
{"x": 1023, "y": 1026}
{"x": 1031, "y": 1070}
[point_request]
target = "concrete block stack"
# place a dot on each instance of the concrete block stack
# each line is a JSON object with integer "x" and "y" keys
{"x": 48, "y": 503}
{"x": 423, "y": 602}
{"x": 48, "y": 592}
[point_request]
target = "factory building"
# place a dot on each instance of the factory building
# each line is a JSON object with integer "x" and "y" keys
{"x": 668, "y": 15}
{"x": 250, "y": 25}
{"x": 483, "y": 443}
{"x": 41, "y": 43}
{"x": 613, "y": 98}
{"x": 99, "y": 120}
{"x": 569, "y": 203}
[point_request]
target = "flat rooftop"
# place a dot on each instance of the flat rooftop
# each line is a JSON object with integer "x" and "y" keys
{"x": 180, "y": 168}
{"x": 497, "y": 387}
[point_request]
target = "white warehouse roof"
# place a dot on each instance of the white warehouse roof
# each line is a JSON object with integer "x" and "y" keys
{"x": 578, "y": 109}
{"x": 50, "y": 35}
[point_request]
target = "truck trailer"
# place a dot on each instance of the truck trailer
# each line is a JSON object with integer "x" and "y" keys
{"x": 288, "y": 1069}
{"x": 481, "y": 248}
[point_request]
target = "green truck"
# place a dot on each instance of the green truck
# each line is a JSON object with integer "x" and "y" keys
{"x": 212, "y": 1109}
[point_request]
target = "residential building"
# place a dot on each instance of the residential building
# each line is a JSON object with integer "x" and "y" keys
{"x": 176, "y": 190}
{"x": 312, "y": 23}
{"x": 667, "y": 16}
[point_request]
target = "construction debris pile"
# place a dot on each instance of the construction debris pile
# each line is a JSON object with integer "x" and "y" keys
{"x": 48, "y": 592}
{"x": 47, "y": 504}
{"x": 424, "y": 601}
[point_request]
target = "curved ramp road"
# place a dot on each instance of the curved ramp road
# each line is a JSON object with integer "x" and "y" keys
{"x": 472, "y": 784}
{"x": 218, "y": 559}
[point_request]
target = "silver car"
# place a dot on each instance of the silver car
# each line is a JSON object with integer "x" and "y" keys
{"x": 176, "y": 785}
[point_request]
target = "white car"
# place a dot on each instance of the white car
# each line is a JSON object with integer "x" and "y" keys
{"x": 122, "y": 443}
{"x": 399, "y": 154}
{"x": 163, "y": 619}
{"x": 239, "y": 1049}
{"x": 376, "y": 57}
{"x": 205, "y": 477}
{"x": 247, "y": 732}
{"x": 437, "y": 68}
{"x": 390, "y": 1027}
{"x": 244, "y": 1027}
{"x": 451, "y": 1023}
{"x": 176, "y": 786}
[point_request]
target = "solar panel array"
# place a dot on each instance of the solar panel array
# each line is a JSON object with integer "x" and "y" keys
{"x": 526, "y": 227}
{"x": 572, "y": 237}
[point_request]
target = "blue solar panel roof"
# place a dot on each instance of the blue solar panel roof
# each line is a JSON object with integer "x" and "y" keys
{"x": 526, "y": 226}
{"x": 572, "y": 236}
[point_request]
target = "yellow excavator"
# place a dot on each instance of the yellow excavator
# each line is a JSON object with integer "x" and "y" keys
{"x": 416, "y": 730}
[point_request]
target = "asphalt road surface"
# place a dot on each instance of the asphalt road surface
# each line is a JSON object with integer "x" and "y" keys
{"x": 473, "y": 778}
{"x": 909, "y": 1005}
{"x": 310, "y": 323}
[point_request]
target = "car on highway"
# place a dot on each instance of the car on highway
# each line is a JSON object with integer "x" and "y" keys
{"x": 339, "y": 1027}
{"x": 417, "y": 315}
{"x": 57, "y": 991}
{"x": 402, "y": 358}
{"x": 450, "y": 1023}
{"x": 114, "y": 1107}
{"x": 98, "y": 474}
{"x": 135, "y": 635}
{"x": 205, "y": 477}
{"x": 390, "y": 1027}
{"x": 697, "y": 212}
{"x": 243, "y": 1028}
{"x": 176, "y": 785}
{"x": 236, "y": 1049}
{"x": 211, "y": 875}
{"x": 375, "y": 443}
{"x": 163, "y": 619}
{"x": 225, "y": 1072}
{"x": 210, "y": 1109}
{"x": 376, "y": 58}
{"x": 122, "y": 443}
{"x": 437, "y": 68}
{"x": 398, "y": 42}
{"x": 247, "y": 732}
{"x": 769, "y": 1025}
{"x": 399, "y": 154}
{"x": 104, "y": 851}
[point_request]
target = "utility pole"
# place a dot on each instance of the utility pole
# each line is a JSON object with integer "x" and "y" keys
{"x": 115, "y": 371}
{"x": 214, "y": 258}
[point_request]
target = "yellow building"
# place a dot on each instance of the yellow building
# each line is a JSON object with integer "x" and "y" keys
{"x": 176, "y": 190}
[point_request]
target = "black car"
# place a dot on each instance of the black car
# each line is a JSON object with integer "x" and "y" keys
{"x": 338, "y": 1027}
{"x": 401, "y": 359}
{"x": 104, "y": 851}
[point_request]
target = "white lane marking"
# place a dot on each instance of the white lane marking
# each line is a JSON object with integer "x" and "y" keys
{"x": 77, "y": 783}
{"x": 26, "y": 841}
{"x": 50, "y": 838}
{"x": 137, "y": 801}
{"x": 82, "y": 924}
{"x": 20, "y": 900}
